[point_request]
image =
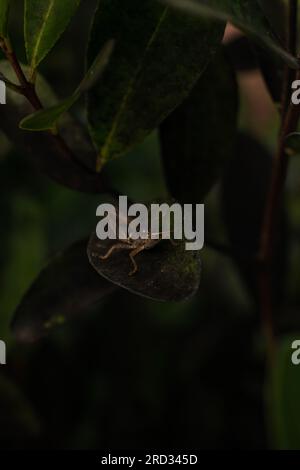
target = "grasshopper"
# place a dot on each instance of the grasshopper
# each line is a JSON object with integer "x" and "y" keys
{"x": 135, "y": 246}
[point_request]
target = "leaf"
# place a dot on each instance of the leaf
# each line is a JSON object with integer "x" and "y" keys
{"x": 46, "y": 119}
{"x": 67, "y": 287}
{"x": 159, "y": 56}
{"x": 247, "y": 15}
{"x": 45, "y": 21}
{"x": 42, "y": 149}
{"x": 4, "y": 10}
{"x": 198, "y": 138}
{"x": 284, "y": 397}
{"x": 166, "y": 273}
{"x": 97, "y": 68}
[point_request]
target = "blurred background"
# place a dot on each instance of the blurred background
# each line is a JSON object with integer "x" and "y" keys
{"x": 133, "y": 373}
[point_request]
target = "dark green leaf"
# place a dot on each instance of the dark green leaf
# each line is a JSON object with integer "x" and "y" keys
{"x": 159, "y": 56}
{"x": 247, "y": 15}
{"x": 67, "y": 287}
{"x": 198, "y": 138}
{"x": 285, "y": 392}
{"x": 4, "y": 8}
{"x": 165, "y": 272}
{"x": 97, "y": 68}
{"x": 47, "y": 118}
{"x": 45, "y": 21}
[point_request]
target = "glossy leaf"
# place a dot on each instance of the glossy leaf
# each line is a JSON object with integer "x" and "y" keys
{"x": 284, "y": 397}
{"x": 42, "y": 149}
{"x": 4, "y": 9}
{"x": 45, "y": 21}
{"x": 247, "y": 15}
{"x": 165, "y": 272}
{"x": 198, "y": 138}
{"x": 159, "y": 56}
{"x": 46, "y": 119}
{"x": 67, "y": 287}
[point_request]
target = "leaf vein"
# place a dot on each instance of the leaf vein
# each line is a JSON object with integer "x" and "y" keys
{"x": 40, "y": 35}
{"x": 105, "y": 148}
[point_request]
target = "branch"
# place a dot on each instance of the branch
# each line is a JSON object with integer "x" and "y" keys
{"x": 290, "y": 118}
{"x": 27, "y": 89}
{"x": 10, "y": 84}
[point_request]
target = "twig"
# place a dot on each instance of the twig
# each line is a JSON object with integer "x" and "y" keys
{"x": 10, "y": 84}
{"x": 28, "y": 90}
{"x": 290, "y": 118}
{"x": 12, "y": 59}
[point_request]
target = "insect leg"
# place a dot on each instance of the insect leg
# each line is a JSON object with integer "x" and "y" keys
{"x": 132, "y": 255}
{"x": 117, "y": 246}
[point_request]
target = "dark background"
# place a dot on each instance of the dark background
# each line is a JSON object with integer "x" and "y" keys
{"x": 131, "y": 373}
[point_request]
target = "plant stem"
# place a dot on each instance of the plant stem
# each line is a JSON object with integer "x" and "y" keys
{"x": 28, "y": 90}
{"x": 290, "y": 118}
{"x": 10, "y": 85}
{"x": 12, "y": 59}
